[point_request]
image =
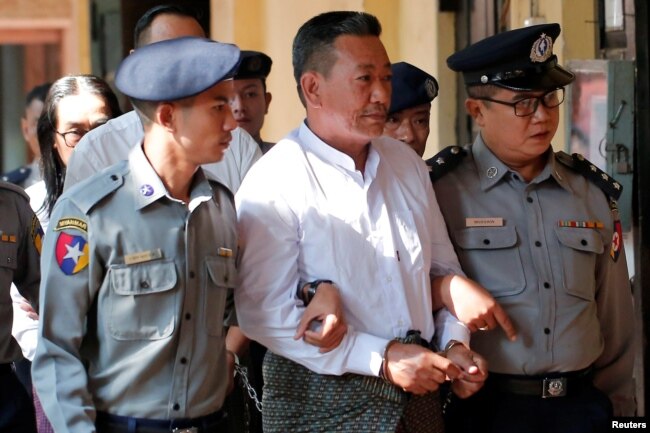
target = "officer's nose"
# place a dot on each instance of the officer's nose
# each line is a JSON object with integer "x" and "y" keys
{"x": 381, "y": 92}
{"x": 235, "y": 104}
{"x": 405, "y": 131}
{"x": 230, "y": 123}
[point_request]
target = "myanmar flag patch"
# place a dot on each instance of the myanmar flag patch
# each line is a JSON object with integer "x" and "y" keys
{"x": 71, "y": 253}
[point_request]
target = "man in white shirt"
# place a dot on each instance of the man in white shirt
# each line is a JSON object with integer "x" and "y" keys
{"x": 335, "y": 200}
{"x": 111, "y": 143}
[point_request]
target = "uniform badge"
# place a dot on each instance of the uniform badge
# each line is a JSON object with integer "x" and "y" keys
{"x": 37, "y": 234}
{"x": 71, "y": 253}
{"x": 146, "y": 190}
{"x": 431, "y": 88}
{"x": 617, "y": 240}
{"x": 542, "y": 49}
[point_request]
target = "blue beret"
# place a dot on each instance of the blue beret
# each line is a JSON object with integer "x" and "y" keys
{"x": 176, "y": 68}
{"x": 520, "y": 59}
{"x": 411, "y": 86}
{"x": 254, "y": 64}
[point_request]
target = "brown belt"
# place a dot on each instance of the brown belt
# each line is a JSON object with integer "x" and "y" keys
{"x": 545, "y": 386}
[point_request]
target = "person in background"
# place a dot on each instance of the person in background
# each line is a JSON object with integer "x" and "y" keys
{"x": 251, "y": 101}
{"x": 540, "y": 231}
{"x": 74, "y": 105}
{"x": 410, "y": 105}
{"x": 112, "y": 142}
{"x": 20, "y": 245}
{"x": 336, "y": 205}
{"x": 30, "y": 174}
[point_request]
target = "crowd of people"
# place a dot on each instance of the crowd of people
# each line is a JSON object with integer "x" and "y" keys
{"x": 366, "y": 290}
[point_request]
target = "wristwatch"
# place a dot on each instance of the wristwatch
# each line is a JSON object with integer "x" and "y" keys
{"x": 311, "y": 290}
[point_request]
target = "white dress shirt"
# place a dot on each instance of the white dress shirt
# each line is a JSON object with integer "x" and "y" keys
{"x": 305, "y": 213}
{"x": 111, "y": 143}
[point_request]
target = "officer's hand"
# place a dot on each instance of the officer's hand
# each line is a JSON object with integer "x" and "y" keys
{"x": 325, "y": 314}
{"x": 416, "y": 369}
{"x": 474, "y": 368}
{"x": 473, "y": 305}
{"x": 27, "y": 307}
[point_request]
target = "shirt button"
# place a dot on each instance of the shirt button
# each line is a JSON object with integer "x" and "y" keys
{"x": 389, "y": 279}
{"x": 192, "y": 275}
{"x": 144, "y": 284}
{"x": 547, "y": 331}
{"x": 547, "y": 285}
{"x": 176, "y": 406}
{"x": 188, "y": 316}
{"x": 486, "y": 241}
{"x": 183, "y": 360}
{"x": 583, "y": 242}
{"x": 529, "y": 199}
{"x": 538, "y": 244}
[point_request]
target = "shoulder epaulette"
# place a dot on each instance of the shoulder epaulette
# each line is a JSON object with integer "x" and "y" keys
{"x": 99, "y": 186}
{"x": 604, "y": 181}
{"x": 215, "y": 183}
{"x": 15, "y": 188}
{"x": 17, "y": 176}
{"x": 445, "y": 161}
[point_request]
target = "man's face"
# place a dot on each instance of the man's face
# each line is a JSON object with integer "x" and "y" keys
{"x": 28, "y": 125}
{"x": 515, "y": 140}
{"x": 355, "y": 95}
{"x": 411, "y": 126}
{"x": 202, "y": 124}
{"x": 250, "y": 103}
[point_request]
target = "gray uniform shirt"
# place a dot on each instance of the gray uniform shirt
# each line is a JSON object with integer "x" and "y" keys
{"x": 569, "y": 299}
{"x": 111, "y": 143}
{"x": 134, "y": 286}
{"x": 20, "y": 244}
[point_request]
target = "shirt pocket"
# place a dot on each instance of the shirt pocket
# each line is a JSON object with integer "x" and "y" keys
{"x": 490, "y": 256}
{"x": 221, "y": 275}
{"x": 579, "y": 250}
{"x": 142, "y": 302}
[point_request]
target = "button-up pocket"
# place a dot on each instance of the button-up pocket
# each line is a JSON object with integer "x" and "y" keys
{"x": 489, "y": 255}
{"x": 221, "y": 275}
{"x": 580, "y": 248}
{"x": 143, "y": 300}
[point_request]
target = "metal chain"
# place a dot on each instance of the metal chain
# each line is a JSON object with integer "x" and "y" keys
{"x": 243, "y": 374}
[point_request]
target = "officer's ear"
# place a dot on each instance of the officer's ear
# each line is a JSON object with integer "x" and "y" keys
{"x": 310, "y": 85}
{"x": 475, "y": 108}
{"x": 165, "y": 112}
{"x": 267, "y": 98}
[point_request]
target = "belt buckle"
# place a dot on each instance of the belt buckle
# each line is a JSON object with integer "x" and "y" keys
{"x": 554, "y": 387}
{"x": 186, "y": 430}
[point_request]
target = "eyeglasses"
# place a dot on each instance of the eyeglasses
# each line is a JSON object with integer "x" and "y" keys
{"x": 71, "y": 138}
{"x": 528, "y": 106}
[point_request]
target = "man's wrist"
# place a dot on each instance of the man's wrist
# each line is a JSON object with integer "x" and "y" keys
{"x": 307, "y": 291}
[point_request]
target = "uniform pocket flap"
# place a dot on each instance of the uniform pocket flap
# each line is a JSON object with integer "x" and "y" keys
{"x": 222, "y": 271}
{"x": 8, "y": 255}
{"x": 581, "y": 239}
{"x": 486, "y": 238}
{"x": 144, "y": 278}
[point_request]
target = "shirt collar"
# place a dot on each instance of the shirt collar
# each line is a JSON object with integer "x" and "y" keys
{"x": 149, "y": 187}
{"x": 312, "y": 143}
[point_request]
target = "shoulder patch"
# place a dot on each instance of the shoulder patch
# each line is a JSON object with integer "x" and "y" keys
{"x": 445, "y": 161}
{"x": 97, "y": 187}
{"x": 15, "y": 188}
{"x": 18, "y": 175}
{"x": 604, "y": 181}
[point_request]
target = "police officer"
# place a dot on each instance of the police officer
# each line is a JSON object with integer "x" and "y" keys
{"x": 410, "y": 105}
{"x": 250, "y": 102}
{"x": 139, "y": 257}
{"x": 29, "y": 174}
{"x": 540, "y": 230}
{"x": 20, "y": 243}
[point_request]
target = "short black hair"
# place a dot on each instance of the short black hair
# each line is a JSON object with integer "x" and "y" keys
{"x": 38, "y": 93}
{"x": 313, "y": 44}
{"x": 142, "y": 27}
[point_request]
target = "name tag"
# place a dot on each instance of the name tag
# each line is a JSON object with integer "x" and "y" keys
{"x": 143, "y": 256}
{"x": 484, "y": 222}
